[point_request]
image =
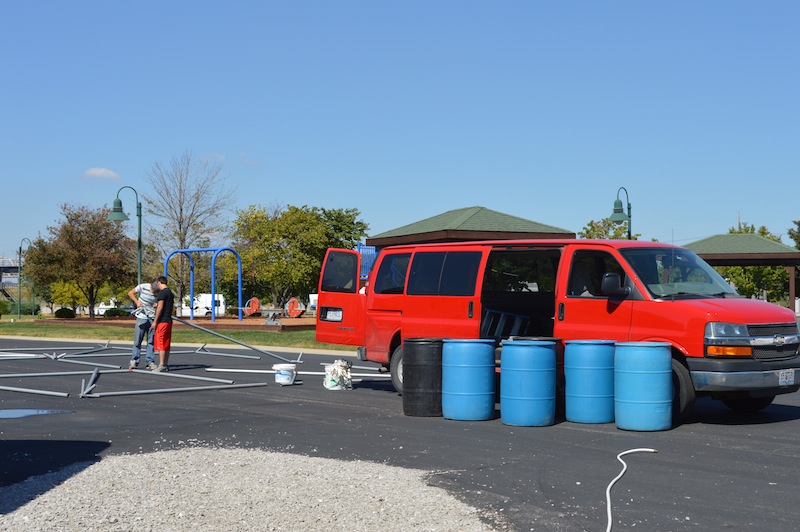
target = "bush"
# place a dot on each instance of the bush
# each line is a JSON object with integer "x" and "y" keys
{"x": 116, "y": 313}
{"x": 9, "y": 307}
{"x": 66, "y": 313}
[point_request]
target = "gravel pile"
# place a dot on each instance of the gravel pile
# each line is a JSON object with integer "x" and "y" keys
{"x": 232, "y": 489}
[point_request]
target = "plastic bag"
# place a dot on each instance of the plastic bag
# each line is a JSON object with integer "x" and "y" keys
{"x": 337, "y": 376}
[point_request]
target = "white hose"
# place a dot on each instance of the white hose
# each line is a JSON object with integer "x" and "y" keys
{"x": 624, "y": 468}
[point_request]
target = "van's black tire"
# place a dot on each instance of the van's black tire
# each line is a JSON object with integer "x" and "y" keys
{"x": 396, "y": 369}
{"x": 742, "y": 403}
{"x": 683, "y": 394}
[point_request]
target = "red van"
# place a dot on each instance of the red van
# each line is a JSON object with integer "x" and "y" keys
{"x": 741, "y": 351}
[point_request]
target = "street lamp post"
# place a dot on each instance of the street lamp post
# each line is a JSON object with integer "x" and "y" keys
{"x": 619, "y": 216}
{"x": 117, "y": 215}
{"x": 19, "y": 278}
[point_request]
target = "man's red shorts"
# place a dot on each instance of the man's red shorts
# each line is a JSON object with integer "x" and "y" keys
{"x": 162, "y": 336}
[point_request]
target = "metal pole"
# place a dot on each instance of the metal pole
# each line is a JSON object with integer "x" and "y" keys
{"x": 19, "y": 278}
{"x": 139, "y": 240}
{"x": 30, "y": 390}
{"x": 232, "y": 340}
{"x": 118, "y": 215}
{"x": 169, "y": 390}
{"x": 630, "y": 219}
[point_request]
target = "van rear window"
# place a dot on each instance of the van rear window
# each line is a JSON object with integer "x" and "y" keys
{"x": 442, "y": 273}
{"x": 340, "y": 273}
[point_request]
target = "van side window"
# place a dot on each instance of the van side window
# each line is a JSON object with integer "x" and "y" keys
{"x": 588, "y": 268}
{"x": 521, "y": 271}
{"x": 451, "y": 273}
{"x": 391, "y": 277}
{"x": 341, "y": 273}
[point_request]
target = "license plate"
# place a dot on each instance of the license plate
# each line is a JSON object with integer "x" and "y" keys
{"x": 336, "y": 315}
{"x": 786, "y": 377}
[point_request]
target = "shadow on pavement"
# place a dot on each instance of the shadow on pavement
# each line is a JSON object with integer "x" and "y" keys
{"x": 23, "y": 459}
{"x": 709, "y": 411}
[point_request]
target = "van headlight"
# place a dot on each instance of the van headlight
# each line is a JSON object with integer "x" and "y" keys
{"x": 727, "y": 339}
{"x": 718, "y": 329}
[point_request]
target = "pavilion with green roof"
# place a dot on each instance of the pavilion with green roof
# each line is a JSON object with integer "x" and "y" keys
{"x": 736, "y": 249}
{"x": 470, "y": 223}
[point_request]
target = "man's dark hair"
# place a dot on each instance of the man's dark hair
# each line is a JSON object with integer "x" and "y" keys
{"x": 162, "y": 279}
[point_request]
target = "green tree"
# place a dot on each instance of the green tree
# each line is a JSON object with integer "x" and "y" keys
{"x": 794, "y": 234}
{"x": 67, "y": 294}
{"x": 282, "y": 250}
{"x": 605, "y": 229}
{"x": 85, "y": 248}
{"x": 754, "y": 280}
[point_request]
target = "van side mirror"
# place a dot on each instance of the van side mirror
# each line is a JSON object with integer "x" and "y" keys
{"x": 612, "y": 285}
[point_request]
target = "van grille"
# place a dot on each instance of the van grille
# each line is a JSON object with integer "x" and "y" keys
{"x": 773, "y": 352}
{"x": 771, "y": 330}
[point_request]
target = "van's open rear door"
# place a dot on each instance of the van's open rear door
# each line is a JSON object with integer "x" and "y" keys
{"x": 340, "y": 308}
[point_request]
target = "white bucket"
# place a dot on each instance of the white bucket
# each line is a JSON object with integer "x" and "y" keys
{"x": 285, "y": 373}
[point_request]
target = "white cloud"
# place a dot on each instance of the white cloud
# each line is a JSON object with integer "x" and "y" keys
{"x": 101, "y": 173}
{"x": 215, "y": 156}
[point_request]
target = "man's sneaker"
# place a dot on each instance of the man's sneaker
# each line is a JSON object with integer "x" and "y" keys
{"x": 151, "y": 366}
{"x": 133, "y": 365}
{"x": 161, "y": 368}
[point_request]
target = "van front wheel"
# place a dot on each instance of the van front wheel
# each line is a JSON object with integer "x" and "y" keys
{"x": 396, "y": 369}
{"x": 683, "y": 394}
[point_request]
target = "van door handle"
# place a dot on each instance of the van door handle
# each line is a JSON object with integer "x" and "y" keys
{"x": 470, "y": 309}
{"x": 561, "y": 311}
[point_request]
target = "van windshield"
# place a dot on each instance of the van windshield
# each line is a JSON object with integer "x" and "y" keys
{"x": 674, "y": 272}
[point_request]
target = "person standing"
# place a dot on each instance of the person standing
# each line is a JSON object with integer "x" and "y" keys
{"x": 143, "y": 296}
{"x": 165, "y": 302}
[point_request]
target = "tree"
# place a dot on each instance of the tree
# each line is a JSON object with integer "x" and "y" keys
{"x": 755, "y": 280}
{"x": 67, "y": 294}
{"x": 85, "y": 248}
{"x": 282, "y": 251}
{"x": 605, "y": 229}
{"x": 188, "y": 205}
{"x": 794, "y": 234}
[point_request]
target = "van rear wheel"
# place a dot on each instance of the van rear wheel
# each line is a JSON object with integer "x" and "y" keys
{"x": 396, "y": 369}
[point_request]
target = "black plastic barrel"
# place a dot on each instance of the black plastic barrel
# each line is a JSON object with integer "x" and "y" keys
{"x": 422, "y": 377}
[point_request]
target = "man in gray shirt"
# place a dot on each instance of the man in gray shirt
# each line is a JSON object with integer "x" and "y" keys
{"x": 143, "y": 296}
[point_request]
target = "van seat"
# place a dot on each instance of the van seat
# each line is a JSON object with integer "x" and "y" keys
{"x": 499, "y": 325}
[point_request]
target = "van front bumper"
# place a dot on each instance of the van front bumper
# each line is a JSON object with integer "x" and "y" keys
{"x": 713, "y": 375}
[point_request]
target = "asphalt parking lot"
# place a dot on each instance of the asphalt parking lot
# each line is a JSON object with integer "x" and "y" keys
{"x": 716, "y": 471}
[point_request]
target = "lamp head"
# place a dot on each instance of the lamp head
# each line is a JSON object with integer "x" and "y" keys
{"x": 117, "y": 215}
{"x": 618, "y": 216}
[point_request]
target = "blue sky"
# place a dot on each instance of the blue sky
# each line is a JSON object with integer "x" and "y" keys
{"x": 405, "y": 110}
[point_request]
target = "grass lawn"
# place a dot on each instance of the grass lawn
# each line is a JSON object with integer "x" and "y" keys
{"x": 27, "y": 327}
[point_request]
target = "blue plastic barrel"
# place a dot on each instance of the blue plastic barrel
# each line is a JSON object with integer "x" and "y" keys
{"x": 468, "y": 379}
{"x": 643, "y": 386}
{"x": 589, "y": 376}
{"x": 528, "y": 383}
